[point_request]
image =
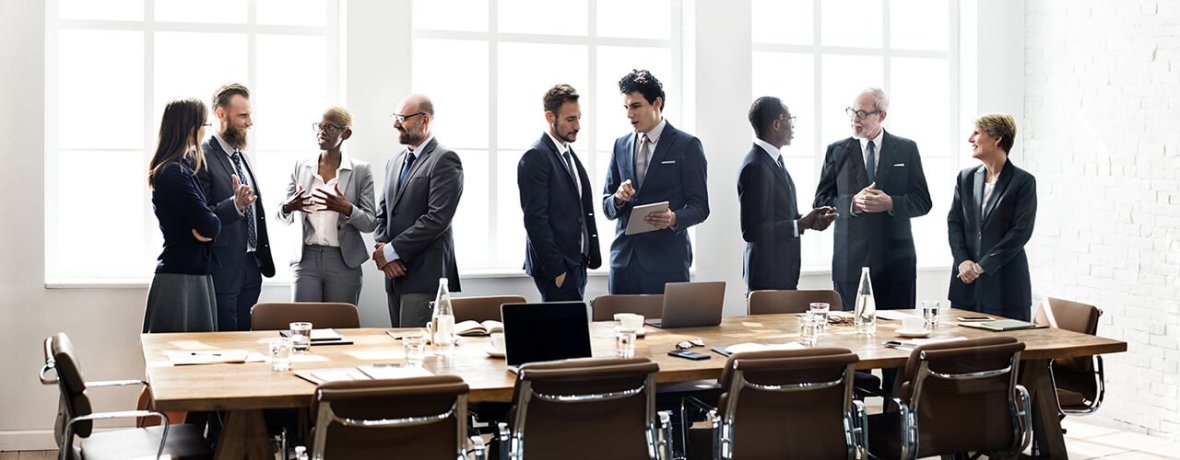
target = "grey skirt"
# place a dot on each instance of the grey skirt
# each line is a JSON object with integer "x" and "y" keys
{"x": 181, "y": 303}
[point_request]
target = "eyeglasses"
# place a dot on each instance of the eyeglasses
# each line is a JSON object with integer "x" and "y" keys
{"x": 326, "y": 127}
{"x": 790, "y": 120}
{"x": 690, "y": 343}
{"x": 859, "y": 114}
{"x": 207, "y": 125}
{"x": 402, "y": 118}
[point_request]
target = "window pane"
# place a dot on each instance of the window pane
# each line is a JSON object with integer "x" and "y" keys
{"x": 844, "y": 78}
{"x": 291, "y": 92}
{"x": 790, "y": 77}
{"x": 542, "y": 17}
{"x": 212, "y": 11}
{"x": 100, "y": 89}
{"x": 440, "y": 15}
{"x": 115, "y": 10}
{"x": 472, "y": 236}
{"x": 919, "y": 24}
{"x": 292, "y": 12}
{"x": 441, "y": 67}
{"x": 606, "y": 227}
{"x": 177, "y": 73}
{"x": 613, "y": 64}
{"x": 919, "y": 105}
{"x": 523, "y": 84}
{"x": 782, "y": 21}
{"x": 632, "y": 19}
{"x": 930, "y": 231}
{"x": 273, "y": 171}
{"x": 510, "y": 233}
{"x": 855, "y": 23}
{"x": 88, "y": 181}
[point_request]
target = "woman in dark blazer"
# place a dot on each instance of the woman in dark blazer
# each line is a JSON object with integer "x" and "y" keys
{"x": 181, "y": 297}
{"x": 990, "y": 221}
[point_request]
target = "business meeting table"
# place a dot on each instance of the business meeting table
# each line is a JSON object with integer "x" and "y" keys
{"x": 244, "y": 389}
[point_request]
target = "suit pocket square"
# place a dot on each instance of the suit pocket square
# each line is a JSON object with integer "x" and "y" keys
{"x": 668, "y": 162}
{"x": 899, "y": 165}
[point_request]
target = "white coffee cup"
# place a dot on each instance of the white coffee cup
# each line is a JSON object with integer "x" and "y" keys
{"x": 913, "y": 324}
{"x": 498, "y": 341}
{"x": 630, "y": 321}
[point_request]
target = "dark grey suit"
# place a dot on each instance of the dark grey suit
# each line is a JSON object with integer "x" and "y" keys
{"x": 994, "y": 238}
{"x": 237, "y": 277}
{"x": 882, "y": 241}
{"x": 769, "y": 209}
{"x": 415, "y": 218}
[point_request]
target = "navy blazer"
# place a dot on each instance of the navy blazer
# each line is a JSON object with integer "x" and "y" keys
{"x": 994, "y": 239}
{"x": 676, "y": 174}
{"x": 416, "y": 218}
{"x": 555, "y": 215}
{"x": 882, "y": 241}
{"x": 230, "y": 248}
{"x": 181, "y": 207}
{"x": 766, "y": 193}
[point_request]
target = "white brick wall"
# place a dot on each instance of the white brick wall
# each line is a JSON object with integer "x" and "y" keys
{"x": 1102, "y": 135}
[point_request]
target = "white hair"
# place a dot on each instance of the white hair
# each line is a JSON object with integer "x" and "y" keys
{"x": 880, "y": 98}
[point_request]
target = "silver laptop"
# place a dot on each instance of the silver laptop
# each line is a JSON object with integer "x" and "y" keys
{"x": 544, "y": 332}
{"x": 691, "y": 305}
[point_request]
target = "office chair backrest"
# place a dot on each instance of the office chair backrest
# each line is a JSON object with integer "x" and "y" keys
{"x": 789, "y": 301}
{"x": 482, "y": 308}
{"x": 277, "y": 316}
{"x": 648, "y": 305}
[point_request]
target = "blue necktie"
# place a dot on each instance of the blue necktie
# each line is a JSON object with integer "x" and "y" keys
{"x": 871, "y": 162}
{"x": 251, "y": 230}
{"x": 401, "y": 180}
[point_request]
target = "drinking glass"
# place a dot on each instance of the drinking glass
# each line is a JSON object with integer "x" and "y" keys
{"x": 280, "y": 354}
{"x": 930, "y": 310}
{"x": 809, "y": 330}
{"x": 300, "y": 336}
{"x": 820, "y": 310}
{"x": 415, "y": 346}
{"x": 625, "y": 342}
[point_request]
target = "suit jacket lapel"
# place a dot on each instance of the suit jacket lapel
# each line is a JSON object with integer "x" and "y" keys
{"x": 418, "y": 162}
{"x": 998, "y": 193}
{"x": 667, "y": 138}
{"x": 855, "y": 161}
{"x": 627, "y": 162}
{"x": 221, "y": 158}
{"x": 555, "y": 154}
{"x": 345, "y": 176}
{"x": 979, "y": 177}
{"x": 885, "y": 159}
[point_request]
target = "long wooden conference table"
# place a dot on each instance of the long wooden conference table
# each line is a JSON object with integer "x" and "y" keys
{"x": 244, "y": 389}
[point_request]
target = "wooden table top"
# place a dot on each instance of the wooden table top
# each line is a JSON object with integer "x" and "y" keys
{"x": 254, "y": 386}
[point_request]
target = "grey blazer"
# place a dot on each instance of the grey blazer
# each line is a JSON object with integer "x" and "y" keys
{"x": 356, "y": 182}
{"x": 416, "y": 218}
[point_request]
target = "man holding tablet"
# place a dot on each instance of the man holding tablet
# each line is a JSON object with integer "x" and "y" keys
{"x": 655, "y": 163}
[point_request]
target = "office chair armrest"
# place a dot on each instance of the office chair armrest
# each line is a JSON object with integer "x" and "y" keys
{"x": 505, "y": 437}
{"x": 476, "y": 449}
{"x": 69, "y": 429}
{"x": 114, "y": 383}
{"x": 1024, "y": 417}
{"x": 860, "y": 426}
{"x": 665, "y": 434}
{"x": 909, "y": 429}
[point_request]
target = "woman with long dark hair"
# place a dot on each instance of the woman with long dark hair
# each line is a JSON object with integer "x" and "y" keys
{"x": 181, "y": 298}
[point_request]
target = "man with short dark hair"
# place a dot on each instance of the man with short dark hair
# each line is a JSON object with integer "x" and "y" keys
{"x": 415, "y": 241}
{"x": 771, "y": 223}
{"x": 655, "y": 163}
{"x": 242, "y": 250}
{"x": 558, "y": 204}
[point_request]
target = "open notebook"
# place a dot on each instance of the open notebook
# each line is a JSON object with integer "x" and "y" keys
{"x": 370, "y": 372}
{"x": 727, "y": 350}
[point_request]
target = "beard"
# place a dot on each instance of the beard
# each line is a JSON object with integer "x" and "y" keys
{"x": 235, "y": 137}
{"x": 570, "y": 136}
{"x": 408, "y": 138}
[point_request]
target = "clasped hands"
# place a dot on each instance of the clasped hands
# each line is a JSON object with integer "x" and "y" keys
{"x": 969, "y": 271}
{"x": 660, "y": 220}
{"x": 872, "y": 199}
{"x": 818, "y": 219}
{"x": 392, "y": 268}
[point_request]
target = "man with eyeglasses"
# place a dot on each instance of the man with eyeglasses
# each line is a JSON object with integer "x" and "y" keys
{"x": 770, "y": 218}
{"x": 558, "y": 203}
{"x": 654, "y": 163}
{"x": 415, "y": 242}
{"x": 875, "y": 181}
{"x": 242, "y": 250}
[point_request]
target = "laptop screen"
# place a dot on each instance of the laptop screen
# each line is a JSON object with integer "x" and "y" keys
{"x": 545, "y": 332}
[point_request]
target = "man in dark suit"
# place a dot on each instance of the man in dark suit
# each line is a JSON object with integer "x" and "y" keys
{"x": 771, "y": 223}
{"x": 242, "y": 251}
{"x": 415, "y": 244}
{"x": 558, "y": 204}
{"x": 655, "y": 163}
{"x": 875, "y": 181}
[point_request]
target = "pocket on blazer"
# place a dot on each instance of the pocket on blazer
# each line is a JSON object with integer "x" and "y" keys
{"x": 668, "y": 162}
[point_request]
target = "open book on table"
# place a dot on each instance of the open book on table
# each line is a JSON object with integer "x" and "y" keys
{"x": 909, "y": 344}
{"x": 1001, "y": 325}
{"x": 476, "y": 328}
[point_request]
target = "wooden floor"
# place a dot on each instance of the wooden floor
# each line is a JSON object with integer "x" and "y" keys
{"x": 29, "y": 455}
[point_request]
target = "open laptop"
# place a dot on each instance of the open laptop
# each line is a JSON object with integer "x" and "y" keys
{"x": 544, "y": 332}
{"x": 691, "y": 305}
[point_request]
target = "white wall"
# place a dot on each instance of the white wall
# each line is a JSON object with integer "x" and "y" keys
{"x": 105, "y": 323}
{"x": 1102, "y": 136}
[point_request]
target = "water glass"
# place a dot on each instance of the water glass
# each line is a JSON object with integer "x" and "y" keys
{"x": 810, "y": 328}
{"x": 280, "y": 354}
{"x": 415, "y": 346}
{"x": 300, "y": 336}
{"x": 930, "y": 310}
{"x": 625, "y": 342}
{"x": 820, "y": 311}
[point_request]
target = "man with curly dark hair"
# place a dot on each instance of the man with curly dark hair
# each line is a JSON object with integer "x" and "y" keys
{"x": 655, "y": 163}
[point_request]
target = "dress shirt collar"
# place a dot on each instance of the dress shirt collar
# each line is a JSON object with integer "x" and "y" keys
{"x": 561, "y": 146}
{"x": 876, "y": 143}
{"x": 769, "y": 149}
{"x": 654, "y": 134}
{"x": 229, "y": 151}
{"x": 417, "y": 151}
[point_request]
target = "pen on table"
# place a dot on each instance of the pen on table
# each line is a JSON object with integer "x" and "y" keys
{"x": 205, "y": 354}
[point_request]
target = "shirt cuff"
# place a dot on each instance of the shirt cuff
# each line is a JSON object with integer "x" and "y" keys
{"x": 795, "y": 227}
{"x": 390, "y": 253}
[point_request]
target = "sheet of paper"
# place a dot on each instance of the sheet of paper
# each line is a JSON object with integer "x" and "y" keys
{"x": 181, "y": 358}
{"x": 394, "y": 372}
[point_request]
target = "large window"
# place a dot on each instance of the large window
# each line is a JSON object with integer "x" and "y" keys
{"x": 488, "y": 68}
{"x": 818, "y": 55}
{"x": 112, "y": 66}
